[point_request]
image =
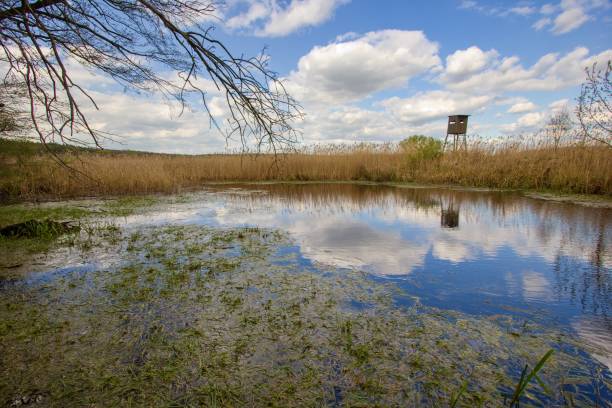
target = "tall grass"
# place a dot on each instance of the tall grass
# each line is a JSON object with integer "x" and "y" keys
{"x": 582, "y": 169}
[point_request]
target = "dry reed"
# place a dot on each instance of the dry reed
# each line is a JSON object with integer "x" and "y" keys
{"x": 570, "y": 169}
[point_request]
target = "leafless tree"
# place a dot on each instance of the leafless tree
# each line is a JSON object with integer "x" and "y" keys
{"x": 594, "y": 108}
{"x": 146, "y": 45}
{"x": 559, "y": 126}
{"x": 13, "y": 115}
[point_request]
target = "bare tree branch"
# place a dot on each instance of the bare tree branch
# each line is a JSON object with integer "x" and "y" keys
{"x": 25, "y": 8}
{"x": 145, "y": 45}
{"x": 594, "y": 108}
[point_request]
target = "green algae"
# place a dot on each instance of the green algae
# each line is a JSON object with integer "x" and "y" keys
{"x": 198, "y": 316}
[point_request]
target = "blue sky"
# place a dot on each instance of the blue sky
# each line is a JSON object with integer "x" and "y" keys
{"x": 378, "y": 71}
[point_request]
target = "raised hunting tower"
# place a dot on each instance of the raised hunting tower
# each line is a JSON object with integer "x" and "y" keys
{"x": 457, "y": 128}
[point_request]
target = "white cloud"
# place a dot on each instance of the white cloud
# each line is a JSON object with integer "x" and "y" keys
{"x": 275, "y": 18}
{"x": 468, "y": 4}
{"x": 572, "y": 17}
{"x": 559, "y": 104}
{"x": 531, "y": 119}
{"x": 564, "y": 17}
{"x": 466, "y": 62}
{"x": 551, "y": 72}
{"x": 542, "y": 23}
{"x": 348, "y": 124}
{"x": 547, "y": 9}
{"x": 151, "y": 123}
{"x": 523, "y": 11}
{"x": 356, "y": 68}
{"x": 526, "y": 123}
{"x": 522, "y": 107}
{"x": 335, "y": 81}
{"x": 519, "y": 10}
{"x": 299, "y": 14}
{"x": 255, "y": 12}
{"x": 570, "y": 14}
{"x": 427, "y": 106}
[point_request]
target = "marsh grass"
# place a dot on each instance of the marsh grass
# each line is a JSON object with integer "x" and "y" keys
{"x": 46, "y": 226}
{"x": 39, "y": 226}
{"x": 578, "y": 169}
{"x": 521, "y": 386}
{"x": 196, "y": 316}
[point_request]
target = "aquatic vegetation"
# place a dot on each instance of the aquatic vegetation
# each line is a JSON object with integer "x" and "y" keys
{"x": 35, "y": 229}
{"x": 128, "y": 205}
{"x": 18, "y": 213}
{"x": 525, "y": 379}
{"x": 202, "y": 316}
{"x": 44, "y": 229}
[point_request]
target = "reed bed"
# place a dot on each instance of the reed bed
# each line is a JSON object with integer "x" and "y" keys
{"x": 580, "y": 169}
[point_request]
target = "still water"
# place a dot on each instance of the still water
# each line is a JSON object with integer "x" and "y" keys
{"x": 481, "y": 253}
{"x": 344, "y": 295}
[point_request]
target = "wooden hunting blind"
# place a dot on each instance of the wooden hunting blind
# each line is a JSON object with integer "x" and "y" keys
{"x": 457, "y": 127}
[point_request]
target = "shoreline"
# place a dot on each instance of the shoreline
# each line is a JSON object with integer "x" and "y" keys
{"x": 588, "y": 200}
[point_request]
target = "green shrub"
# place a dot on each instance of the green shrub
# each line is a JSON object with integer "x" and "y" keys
{"x": 419, "y": 148}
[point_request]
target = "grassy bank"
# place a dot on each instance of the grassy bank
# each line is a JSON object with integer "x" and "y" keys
{"x": 27, "y": 172}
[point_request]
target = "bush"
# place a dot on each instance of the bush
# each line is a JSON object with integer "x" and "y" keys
{"x": 419, "y": 148}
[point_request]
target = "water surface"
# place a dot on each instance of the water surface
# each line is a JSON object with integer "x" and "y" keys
{"x": 482, "y": 253}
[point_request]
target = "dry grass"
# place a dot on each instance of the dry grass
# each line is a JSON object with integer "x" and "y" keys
{"x": 570, "y": 169}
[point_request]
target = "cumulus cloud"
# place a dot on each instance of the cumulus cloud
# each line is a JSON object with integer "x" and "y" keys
{"x": 526, "y": 123}
{"x": 273, "y": 18}
{"x": 149, "y": 122}
{"x": 551, "y": 72}
{"x": 344, "y": 87}
{"x": 354, "y": 68}
{"x": 559, "y": 104}
{"x": 466, "y": 62}
{"x": 427, "y": 106}
{"x": 255, "y": 12}
{"x": 569, "y": 15}
{"x": 572, "y": 17}
{"x": 522, "y": 107}
{"x": 349, "y": 124}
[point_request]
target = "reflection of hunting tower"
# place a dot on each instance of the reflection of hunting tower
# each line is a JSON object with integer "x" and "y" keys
{"x": 449, "y": 218}
{"x": 457, "y": 128}
{"x": 449, "y": 213}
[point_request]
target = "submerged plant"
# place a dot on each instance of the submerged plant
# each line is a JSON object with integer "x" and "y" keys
{"x": 524, "y": 381}
{"x": 201, "y": 316}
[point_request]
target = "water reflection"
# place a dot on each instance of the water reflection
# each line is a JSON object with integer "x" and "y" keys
{"x": 449, "y": 216}
{"x": 479, "y": 252}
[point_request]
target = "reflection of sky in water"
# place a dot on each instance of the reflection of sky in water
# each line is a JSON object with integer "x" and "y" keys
{"x": 477, "y": 252}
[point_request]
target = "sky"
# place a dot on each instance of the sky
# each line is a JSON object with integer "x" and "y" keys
{"x": 380, "y": 71}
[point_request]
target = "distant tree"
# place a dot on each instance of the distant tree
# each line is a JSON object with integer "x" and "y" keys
{"x": 420, "y": 147}
{"x": 559, "y": 126}
{"x": 594, "y": 108}
{"x": 13, "y": 119}
{"x": 146, "y": 45}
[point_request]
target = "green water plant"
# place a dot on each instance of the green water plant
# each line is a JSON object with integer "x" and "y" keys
{"x": 192, "y": 315}
{"x": 525, "y": 379}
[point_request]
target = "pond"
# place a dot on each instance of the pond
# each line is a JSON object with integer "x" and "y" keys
{"x": 320, "y": 294}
